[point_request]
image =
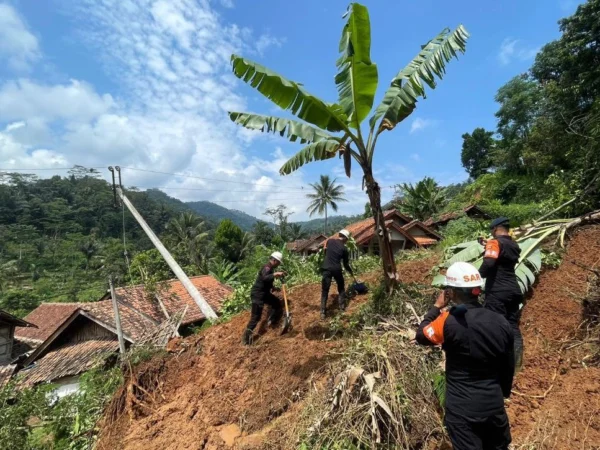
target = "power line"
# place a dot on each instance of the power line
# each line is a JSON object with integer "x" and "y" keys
{"x": 49, "y": 168}
{"x": 217, "y": 190}
{"x": 204, "y": 178}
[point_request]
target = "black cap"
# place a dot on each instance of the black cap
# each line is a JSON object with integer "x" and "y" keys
{"x": 500, "y": 221}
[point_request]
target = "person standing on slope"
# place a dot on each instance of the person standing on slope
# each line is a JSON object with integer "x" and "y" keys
{"x": 335, "y": 253}
{"x": 261, "y": 294}
{"x": 502, "y": 292}
{"x": 480, "y": 362}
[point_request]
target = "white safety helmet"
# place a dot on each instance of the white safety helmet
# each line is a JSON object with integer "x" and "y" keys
{"x": 278, "y": 256}
{"x": 463, "y": 275}
{"x": 345, "y": 233}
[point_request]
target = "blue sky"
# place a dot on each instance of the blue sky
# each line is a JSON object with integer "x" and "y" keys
{"x": 146, "y": 84}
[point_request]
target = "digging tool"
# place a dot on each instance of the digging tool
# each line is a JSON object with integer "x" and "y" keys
{"x": 287, "y": 320}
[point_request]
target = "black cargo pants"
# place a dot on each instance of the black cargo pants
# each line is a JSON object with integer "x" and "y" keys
{"x": 328, "y": 275}
{"x": 508, "y": 305}
{"x": 258, "y": 303}
{"x": 478, "y": 433}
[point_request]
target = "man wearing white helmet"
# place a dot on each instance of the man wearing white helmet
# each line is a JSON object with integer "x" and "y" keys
{"x": 335, "y": 253}
{"x": 261, "y": 294}
{"x": 480, "y": 361}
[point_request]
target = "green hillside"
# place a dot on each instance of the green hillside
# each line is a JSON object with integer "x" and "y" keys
{"x": 217, "y": 213}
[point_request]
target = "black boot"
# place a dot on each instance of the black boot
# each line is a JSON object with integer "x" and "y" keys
{"x": 323, "y": 307}
{"x": 342, "y": 301}
{"x": 247, "y": 337}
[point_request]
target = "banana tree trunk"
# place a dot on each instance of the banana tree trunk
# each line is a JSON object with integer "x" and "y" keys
{"x": 385, "y": 246}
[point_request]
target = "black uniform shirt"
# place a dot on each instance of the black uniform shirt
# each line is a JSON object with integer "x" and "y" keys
{"x": 480, "y": 361}
{"x": 498, "y": 267}
{"x": 336, "y": 253}
{"x": 264, "y": 282}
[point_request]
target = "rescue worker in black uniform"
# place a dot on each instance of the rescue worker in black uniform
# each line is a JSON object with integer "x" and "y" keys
{"x": 502, "y": 292}
{"x": 261, "y": 294}
{"x": 335, "y": 253}
{"x": 479, "y": 362}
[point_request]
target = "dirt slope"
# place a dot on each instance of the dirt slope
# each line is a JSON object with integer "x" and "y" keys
{"x": 215, "y": 393}
{"x": 557, "y": 405}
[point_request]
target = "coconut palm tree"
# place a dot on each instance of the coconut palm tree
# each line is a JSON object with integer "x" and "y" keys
{"x": 422, "y": 200}
{"x": 188, "y": 234}
{"x": 335, "y": 128}
{"x": 326, "y": 193}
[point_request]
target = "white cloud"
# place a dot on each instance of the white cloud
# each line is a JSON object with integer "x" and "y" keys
{"x": 171, "y": 61}
{"x": 18, "y": 46}
{"x": 267, "y": 41}
{"x": 512, "y": 49}
{"x": 419, "y": 124}
{"x": 77, "y": 101}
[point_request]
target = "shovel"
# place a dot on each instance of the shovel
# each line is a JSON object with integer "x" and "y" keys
{"x": 287, "y": 320}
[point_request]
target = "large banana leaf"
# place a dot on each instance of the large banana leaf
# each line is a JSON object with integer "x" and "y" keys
{"x": 529, "y": 263}
{"x": 470, "y": 251}
{"x": 313, "y": 152}
{"x": 291, "y": 129}
{"x": 401, "y": 98}
{"x": 357, "y": 77}
{"x": 290, "y": 95}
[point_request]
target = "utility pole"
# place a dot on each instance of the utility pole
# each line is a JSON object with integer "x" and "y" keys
{"x": 177, "y": 270}
{"x": 113, "y": 296}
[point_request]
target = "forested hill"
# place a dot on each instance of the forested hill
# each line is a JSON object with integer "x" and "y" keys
{"x": 217, "y": 213}
{"x": 61, "y": 237}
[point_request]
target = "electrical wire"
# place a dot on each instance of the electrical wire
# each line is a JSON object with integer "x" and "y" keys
{"x": 217, "y": 190}
{"x": 203, "y": 178}
{"x": 49, "y": 168}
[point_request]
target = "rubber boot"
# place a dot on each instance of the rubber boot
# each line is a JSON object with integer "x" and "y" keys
{"x": 247, "y": 337}
{"x": 342, "y": 301}
{"x": 323, "y": 307}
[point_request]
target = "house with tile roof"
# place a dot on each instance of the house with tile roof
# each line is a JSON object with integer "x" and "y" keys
{"x": 71, "y": 338}
{"x": 305, "y": 247}
{"x": 472, "y": 211}
{"x": 405, "y": 233}
{"x": 10, "y": 348}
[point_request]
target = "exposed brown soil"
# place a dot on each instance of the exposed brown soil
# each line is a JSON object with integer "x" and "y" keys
{"x": 557, "y": 405}
{"x": 214, "y": 393}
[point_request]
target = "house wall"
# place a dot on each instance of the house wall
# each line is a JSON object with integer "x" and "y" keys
{"x": 416, "y": 231}
{"x": 87, "y": 331}
{"x": 6, "y": 342}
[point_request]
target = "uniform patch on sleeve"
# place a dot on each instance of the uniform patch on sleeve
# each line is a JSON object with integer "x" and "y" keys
{"x": 492, "y": 249}
{"x": 434, "y": 332}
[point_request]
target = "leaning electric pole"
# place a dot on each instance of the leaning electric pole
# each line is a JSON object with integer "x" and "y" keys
{"x": 206, "y": 309}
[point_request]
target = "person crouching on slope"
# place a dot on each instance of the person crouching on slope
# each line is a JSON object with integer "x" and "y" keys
{"x": 335, "y": 253}
{"x": 502, "y": 292}
{"x": 480, "y": 362}
{"x": 261, "y": 294}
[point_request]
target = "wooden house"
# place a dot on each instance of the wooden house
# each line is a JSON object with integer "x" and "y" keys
{"x": 405, "y": 233}
{"x": 472, "y": 211}
{"x": 306, "y": 247}
{"x": 71, "y": 338}
{"x": 10, "y": 348}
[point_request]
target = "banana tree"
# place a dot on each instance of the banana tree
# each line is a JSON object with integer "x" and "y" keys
{"x": 335, "y": 128}
{"x": 529, "y": 238}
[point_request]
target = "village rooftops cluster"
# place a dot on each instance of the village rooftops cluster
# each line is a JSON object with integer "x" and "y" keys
{"x": 59, "y": 341}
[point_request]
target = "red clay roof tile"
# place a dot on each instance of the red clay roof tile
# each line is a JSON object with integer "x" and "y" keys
{"x": 67, "y": 360}
{"x": 48, "y": 317}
